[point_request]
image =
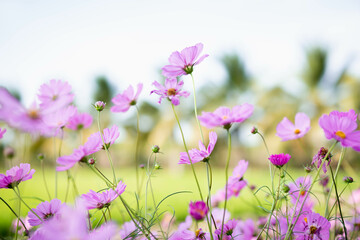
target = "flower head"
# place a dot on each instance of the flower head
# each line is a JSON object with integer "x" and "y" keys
{"x": 299, "y": 190}
{"x": 80, "y": 121}
{"x": 99, "y": 106}
{"x": 279, "y": 160}
{"x": 182, "y": 63}
{"x": 109, "y": 135}
{"x": 124, "y": 100}
{"x": 341, "y": 126}
{"x": 171, "y": 90}
{"x": 312, "y": 226}
{"x": 2, "y": 132}
{"x": 224, "y": 117}
{"x": 319, "y": 157}
{"x": 228, "y": 229}
{"x": 199, "y": 155}
{"x": 45, "y": 210}
{"x": 16, "y": 175}
{"x": 103, "y": 199}
{"x": 288, "y": 131}
{"x": 198, "y": 210}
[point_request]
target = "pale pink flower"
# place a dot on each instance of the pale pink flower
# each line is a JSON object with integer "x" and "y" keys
{"x": 128, "y": 98}
{"x": 288, "y": 131}
{"x": 182, "y": 63}
{"x": 109, "y": 134}
{"x": 57, "y": 120}
{"x": 171, "y": 90}
{"x": 16, "y": 175}
{"x": 80, "y": 121}
{"x": 45, "y": 210}
{"x": 203, "y": 154}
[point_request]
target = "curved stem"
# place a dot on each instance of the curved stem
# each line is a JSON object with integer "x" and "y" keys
{"x": 195, "y": 109}
{"x": 44, "y": 179}
{"x": 106, "y": 150}
{"x": 12, "y": 210}
{"x": 226, "y": 179}
{"x": 18, "y": 194}
{"x": 137, "y": 149}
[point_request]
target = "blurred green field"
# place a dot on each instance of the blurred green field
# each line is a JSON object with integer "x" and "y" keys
{"x": 164, "y": 183}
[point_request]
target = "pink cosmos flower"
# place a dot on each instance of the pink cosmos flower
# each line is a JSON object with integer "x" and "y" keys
{"x": 55, "y": 95}
{"x": 109, "y": 134}
{"x": 103, "y": 199}
{"x": 198, "y": 210}
{"x": 228, "y": 230}
{"x": 21, "y": 229}
{"x": 312, "y": 226}
{"x": 246, "y": 230}
{"x": 184, "y": 62}
{"x": 171, "y": 90}
{"x": 16, "y": 175}
{"x": 124, "y": 100}
{"x": 279, "y": 160}
{"x": 45, "y": 210}
{"x": 57, "y": 120}
{"x": 199, "y": 155}
{"x": 341, "y": 126}
{"x": 288, "y": 131}
{"x": 80, "y": 121}
{"x": 224, "y": 117}
{"x": 319, "y": 157}
{"x": 299, "y": 190}
{"x": 2, "y": 132}
{"x": 217, "y": 214}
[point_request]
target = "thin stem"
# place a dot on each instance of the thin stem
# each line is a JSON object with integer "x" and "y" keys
{"x": 18, "y": 194}
{"x": 187, "y": 152}
{"x": 226, "y": 180}
{"x": 291, "y": 226}
{"x": 56, "y": 172}
{"x": 106, "y": 149}
{"x": 209, "y": 180}
{"x": 270, "y": 166}
{"x": 195, "y": 109}
{"x": 338, "y": 201}
{"x": 44, "y": 179}
{"x": 12, "y": 210}
{"x": 137, "y": 149}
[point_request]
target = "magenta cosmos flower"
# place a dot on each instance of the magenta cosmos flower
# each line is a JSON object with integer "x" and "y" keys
{"x": 341, "y": 126}
{"x": 45, "y": 210}
{"x": 224, "y": 117}
{"x": 80, "y": 121}
{"x": 288, "y": 131}
{"x": 312, "y": 226}
{"x": 171, "y": 90}
{"x": 198, "y": 210}
{"x": 55, "y": 95}
{"x": 16, "y": 175}
{"x": 103, "y": 199}
{"x": 228, "y": 230}
{"x": 183, "y": 63}
{"x": 2, "y": 132}
{"x": 128, "y": 98}
{"x": 279, "y": 160}
{"x": 199, "y": 155}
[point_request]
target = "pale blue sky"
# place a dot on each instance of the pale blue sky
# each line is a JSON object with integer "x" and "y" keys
{"x": 128, "y": 41}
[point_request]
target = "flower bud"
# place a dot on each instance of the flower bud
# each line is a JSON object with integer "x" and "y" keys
{"x": 286, "y": 188}
{"x": 157, "y": 166}
{"x": 9, "y": 152}
{"x": 254, "y": 130}
{"x": 155, "y": 149}
{"x": 252, "y": 187}
{"x": 307, "y": 169}
{"x": 91, "y": 161}
{"x": 348, "y": 179}
{"x": 99, "y": 106}
{"x": 142, "y": 166}
{"x": 40, "y": 156}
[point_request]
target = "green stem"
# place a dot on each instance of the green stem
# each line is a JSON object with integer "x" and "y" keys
{"x": 342, "y": 156}
{"x": 291, "y": 226}
{"x": 137, "y": 149}
{"x": 18, "y": 194}
{"x": 195, "y": 109}
{"x": 12, "y": 210}
{"x": 106, "y": 150}
{"x": 187, "y": 152}
{"x": 226, "y": 180}
{"x": 44, "y": 179}
{"x": 270, "y": 166}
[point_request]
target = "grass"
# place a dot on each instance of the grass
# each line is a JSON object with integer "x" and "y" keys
{"x": 164, "y": 182}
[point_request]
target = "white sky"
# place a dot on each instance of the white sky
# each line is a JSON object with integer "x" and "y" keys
{"x": 128, "y": 41}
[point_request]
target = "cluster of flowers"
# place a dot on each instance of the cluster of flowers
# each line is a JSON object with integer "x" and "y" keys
{"x": 298, "y": 219}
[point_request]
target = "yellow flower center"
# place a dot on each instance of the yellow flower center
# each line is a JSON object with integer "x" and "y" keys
{"x": 302, "y": 192}
{"x": 171, "y": 92}
{"x": 297, "y": 131}
{"x": 33, "y": 113}
{"x": 224, "y": 117}
{"x": 305, "y": 219}
{"x": 313, "y": 229}
{"x": 340, "y": 134}
{"x": 197, "y": 232}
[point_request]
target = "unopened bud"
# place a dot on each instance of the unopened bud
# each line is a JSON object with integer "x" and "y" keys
{"x": 155, "y": 149}
{"x": 348, "y": 179}
{"x": 157, "y": 166}
{"x": 91, "y": 161}
{"x": 142, "y": 166}
{"x": 40, "y": 156}
{"x": 99, "y": 106}
{"x": 252, "y": 187}
{"x": 286, "y": 188}
{"x": 254, "y": 130}
{"x": 307, "y": 169}
{"x": 9, "y": 152}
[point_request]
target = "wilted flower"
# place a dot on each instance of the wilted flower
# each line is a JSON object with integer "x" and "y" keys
{"x": 198, "y": 210}
{"x": 16, "y": 175}
{"x": 171, "y": 90}
{"x": 124, "y": 100}
{"x": 183, "y": 63}
{"x": 224, "y": 117}
{"x": 45, "y": 210}
{"x": 279, "y": 160}
{"x": 199, "y": 155}
{"x": 288, "y": 131}
{"x": 80, "y": 121}
{"x": 318, "y": 158}
{"x": 341, "y": 126}
{"x": 102, "y": 199}
{"x": 2, "y": 132}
